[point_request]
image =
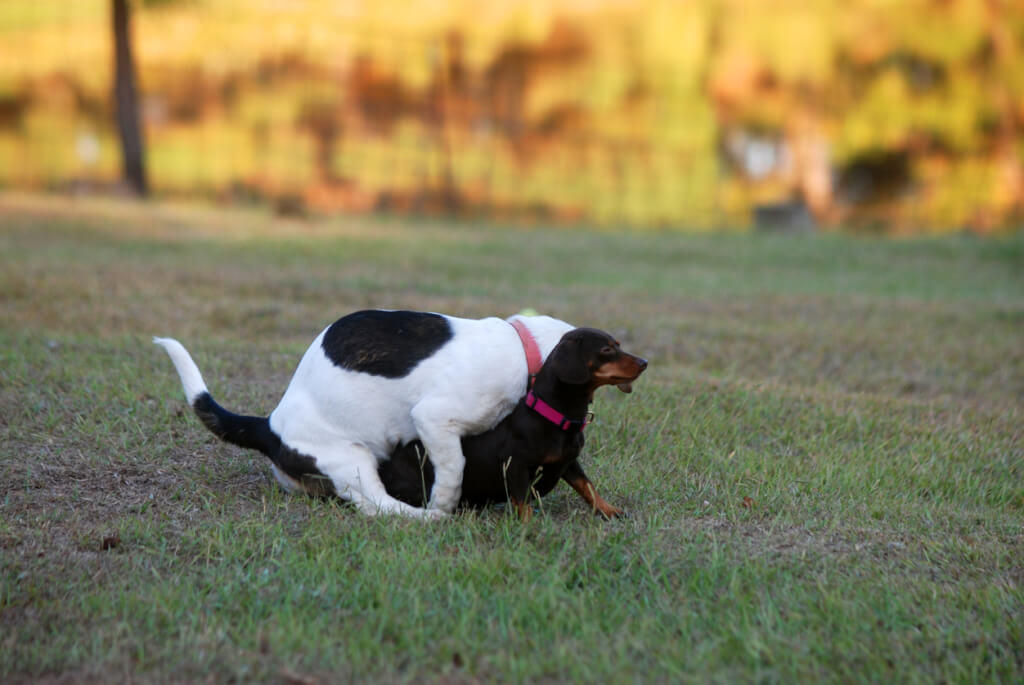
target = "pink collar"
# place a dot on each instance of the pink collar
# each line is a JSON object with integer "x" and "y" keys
{"x": 533, "y": 364}
{"x": 554, "y": 416}
{"x": 533, "y": 359}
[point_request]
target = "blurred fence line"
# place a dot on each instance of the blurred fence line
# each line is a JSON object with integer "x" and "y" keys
{"x": 314, "y": 113}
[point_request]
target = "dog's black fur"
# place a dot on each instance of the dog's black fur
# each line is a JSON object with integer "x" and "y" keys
{"x": 526, "y": 453}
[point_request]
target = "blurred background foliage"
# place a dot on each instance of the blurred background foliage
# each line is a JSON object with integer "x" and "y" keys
{"x": 886, "y": 115}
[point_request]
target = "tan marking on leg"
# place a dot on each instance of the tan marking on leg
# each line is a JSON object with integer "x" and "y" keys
{"x": 523, "y": 509}
{"x": 589, "y": 494}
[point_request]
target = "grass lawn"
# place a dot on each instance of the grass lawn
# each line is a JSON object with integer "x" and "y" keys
{"x": 823, "y": 466}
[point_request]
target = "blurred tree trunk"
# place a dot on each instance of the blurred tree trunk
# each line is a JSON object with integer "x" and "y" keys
{"x": 126, "y": 101}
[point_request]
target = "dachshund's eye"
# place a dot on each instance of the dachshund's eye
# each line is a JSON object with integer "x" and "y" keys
{"x": 608, "y": 350}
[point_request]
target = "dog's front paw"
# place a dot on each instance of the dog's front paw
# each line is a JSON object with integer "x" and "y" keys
{"x": 444, "y": 499}
{"x": 609, "y": 512}
{"x": 434, "y": 515}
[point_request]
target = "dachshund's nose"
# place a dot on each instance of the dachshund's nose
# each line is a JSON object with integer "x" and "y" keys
{"x": 641, "y": 362}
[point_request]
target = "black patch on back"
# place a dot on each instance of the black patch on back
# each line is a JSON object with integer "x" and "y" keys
{"x": 388, "y": 344}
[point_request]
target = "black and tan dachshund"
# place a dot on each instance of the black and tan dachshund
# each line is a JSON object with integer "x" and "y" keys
{"x": 538, "y": 443}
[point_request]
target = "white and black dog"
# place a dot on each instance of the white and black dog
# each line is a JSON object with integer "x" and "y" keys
{"x": 374, "y": 380}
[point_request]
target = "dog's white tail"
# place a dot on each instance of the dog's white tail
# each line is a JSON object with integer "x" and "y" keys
{"x": 252, "y": 432}
{"x": 191, "y": 379}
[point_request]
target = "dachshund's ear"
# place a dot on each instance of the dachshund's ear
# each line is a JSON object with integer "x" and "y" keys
{"x": 568, "y": 364}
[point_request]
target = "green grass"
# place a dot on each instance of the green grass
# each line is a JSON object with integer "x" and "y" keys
{"x": 864, "y": 395}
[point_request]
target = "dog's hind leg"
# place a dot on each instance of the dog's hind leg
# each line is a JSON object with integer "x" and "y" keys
{"x": 352, "y": 469}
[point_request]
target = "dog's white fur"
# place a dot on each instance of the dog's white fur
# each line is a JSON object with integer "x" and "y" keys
{"x": 348, "y": 421}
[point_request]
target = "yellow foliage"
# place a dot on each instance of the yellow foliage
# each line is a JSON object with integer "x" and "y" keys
{"x": 612, "y": 110}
